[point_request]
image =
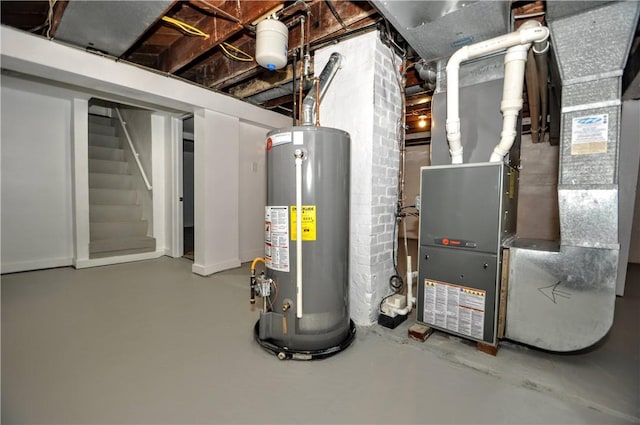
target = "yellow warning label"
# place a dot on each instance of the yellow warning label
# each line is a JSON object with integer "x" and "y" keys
{"x": 308, "y": 223}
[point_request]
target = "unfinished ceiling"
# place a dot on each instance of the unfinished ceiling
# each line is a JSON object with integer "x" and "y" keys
{"x": 212, "y": 42}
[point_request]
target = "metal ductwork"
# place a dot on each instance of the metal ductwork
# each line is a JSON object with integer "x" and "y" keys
{"x": 561, "y": 295}
{"x": 108, "y": 26}
{"x": 562, "y": 298}
{"x": 436, "y": 29}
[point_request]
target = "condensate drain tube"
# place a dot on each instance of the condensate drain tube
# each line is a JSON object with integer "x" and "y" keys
{"x": 299, "y": 154}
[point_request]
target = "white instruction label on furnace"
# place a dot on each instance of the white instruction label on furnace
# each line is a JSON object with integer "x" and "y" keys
{"x": 456, "y": 308}
{"x": 276, "y": 238}
{"x": 589, "y": 134}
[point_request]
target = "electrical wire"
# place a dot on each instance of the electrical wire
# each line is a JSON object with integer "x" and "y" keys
{"x": 247, "y": 57}
{"x": 396, "y": 283}
{"x": 189, "y": 29}
{"x": 49, "y": 21}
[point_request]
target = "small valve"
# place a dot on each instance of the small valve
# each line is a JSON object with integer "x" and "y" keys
{"x": 263, "y": 286}
{"x": 286, "y": 306}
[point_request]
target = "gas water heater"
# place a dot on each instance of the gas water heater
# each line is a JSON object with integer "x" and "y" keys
{"x": 305, "y": 287}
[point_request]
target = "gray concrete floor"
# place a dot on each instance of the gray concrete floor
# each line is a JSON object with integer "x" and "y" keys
{"x": 150, "y": 342}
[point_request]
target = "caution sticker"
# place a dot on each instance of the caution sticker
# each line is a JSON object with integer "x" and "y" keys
{"x": 456, "y": 308}
{"x": 308, "y": 223}
{"x": 276, "y": 238}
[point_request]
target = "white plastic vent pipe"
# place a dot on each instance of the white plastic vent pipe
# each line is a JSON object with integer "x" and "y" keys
{"x": 514, "y": 65}
{"x": 530, "y": 31}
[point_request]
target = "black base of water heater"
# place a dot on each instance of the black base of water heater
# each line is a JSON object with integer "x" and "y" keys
{"x": 284, "y": 353}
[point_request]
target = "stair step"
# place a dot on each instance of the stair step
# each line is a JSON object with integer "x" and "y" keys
{"x": 111, "y": 247}
{"x": 105, "y": 141}
{"x": 107, "y": 130}
{"x": 102, "y": 120}
{"x": 108, "y": 167}
{"x": 117, "y": 230}
{"x": 112, "y": 197}
{"x": 99, "y": 152}
{"x": 111, "y": 213}
{"x": 110, "y": 181}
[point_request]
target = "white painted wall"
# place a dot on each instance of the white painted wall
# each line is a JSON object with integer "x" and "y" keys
{"x": 161, "y": 137}
{"x": 216, "y": 188}
{"x": 106, "y": 78}
{"x": 370, "y": 115}
{"x": 37, "y": 225}
{"x": 253, "y": 190}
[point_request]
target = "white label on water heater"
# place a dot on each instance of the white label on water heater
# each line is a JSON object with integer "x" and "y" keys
{"x": 276, "y": 238}
{"x": 453, "y": 307}
{"x": 280, "y": 139}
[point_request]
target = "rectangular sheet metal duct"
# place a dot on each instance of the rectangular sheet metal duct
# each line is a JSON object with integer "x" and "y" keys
{"x": 563, "y": 299}
{"x": 436, "y": 29}
{"x": 108, "y": 26}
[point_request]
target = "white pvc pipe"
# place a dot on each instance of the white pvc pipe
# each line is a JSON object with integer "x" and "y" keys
{"x": 298, "y": 162}
{"x": 530, "y": 31}
{"x": 410, "y": 298}
{"x": 514, "y": 66}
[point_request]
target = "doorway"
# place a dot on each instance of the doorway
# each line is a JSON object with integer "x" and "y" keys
{"x": 187, "y": 189}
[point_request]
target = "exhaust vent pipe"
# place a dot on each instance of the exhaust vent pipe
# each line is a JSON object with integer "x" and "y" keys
{"x": 517, "y": 44}
{"x": 315, "y": 96}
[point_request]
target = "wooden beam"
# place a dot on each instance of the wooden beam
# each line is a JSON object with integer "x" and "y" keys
{"x": 187, "y": 49}
{"x": 265, "y": 82}
{"x": 278, "y": 101}
{"x": 212, "y": 8}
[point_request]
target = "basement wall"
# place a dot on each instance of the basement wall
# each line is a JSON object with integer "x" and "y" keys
{"x": 37, "y": 220}
{"x": 102, "y": 77}
{"x": 364, "y": 100}
{"x": 253, "y": 190}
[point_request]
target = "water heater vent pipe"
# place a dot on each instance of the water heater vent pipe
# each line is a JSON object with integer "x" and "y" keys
{"x": 530, "y": 31}
{"x": 314, "y": 96}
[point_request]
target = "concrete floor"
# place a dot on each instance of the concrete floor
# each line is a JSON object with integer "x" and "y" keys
{"x": 150, "y": 342}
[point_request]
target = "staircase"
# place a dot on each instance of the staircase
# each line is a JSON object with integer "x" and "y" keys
{"x": 115, "y": 211}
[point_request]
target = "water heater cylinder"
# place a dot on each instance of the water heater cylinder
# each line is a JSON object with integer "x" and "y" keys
{"x": 272, "y": 41}
{"x": 324, "y": 324}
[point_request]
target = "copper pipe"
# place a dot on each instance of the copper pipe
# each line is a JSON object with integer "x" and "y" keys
{"x": 300, "y": 96}
{"x": 543, "y": 72}
{"x": 533, "y": 93}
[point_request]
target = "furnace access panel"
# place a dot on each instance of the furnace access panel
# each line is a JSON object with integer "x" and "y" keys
{"x": 466, "y": 212}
